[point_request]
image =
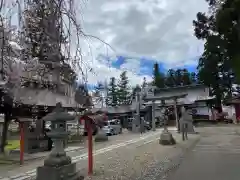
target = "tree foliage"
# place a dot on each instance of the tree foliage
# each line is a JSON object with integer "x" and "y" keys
{"x": 178, "y": 77}
{"x": 170, "y": 78}
{"x": 123, "y": 92}
{"x": 186, "y": 78}
{"x": 219, "y": 64}
{"x": 112, "y": 93}
{"x": 158, "y": 77}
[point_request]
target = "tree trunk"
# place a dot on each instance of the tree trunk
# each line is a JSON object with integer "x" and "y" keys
{"x": 219, "y": 103}
{"x": 5, "y": 130}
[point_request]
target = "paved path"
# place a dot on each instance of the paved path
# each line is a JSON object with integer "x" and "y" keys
{"x": 215, "y": 157}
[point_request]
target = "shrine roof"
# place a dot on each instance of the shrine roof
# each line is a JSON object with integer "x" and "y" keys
{"x": 206, "y": 98}
{"x": 116, "y": 109}
{"x": 233, "y": 100}
{"x": 194, "y": 86}
{"x": 166, "y": 97}
{"x": 120, "y": 109}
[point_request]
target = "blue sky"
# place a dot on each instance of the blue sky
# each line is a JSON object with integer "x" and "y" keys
{"x": 144, "y": 68}
{"x": 146, "y": 65}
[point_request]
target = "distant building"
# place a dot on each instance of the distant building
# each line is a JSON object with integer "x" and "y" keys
{"x": 234, "y": 103}
{"x": 196, "y": 96}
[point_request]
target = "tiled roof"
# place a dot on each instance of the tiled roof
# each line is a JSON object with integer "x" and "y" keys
{"x": 166, "y": 97}
{"x": 194, "y": 86}
{"x": 119, "y": 109}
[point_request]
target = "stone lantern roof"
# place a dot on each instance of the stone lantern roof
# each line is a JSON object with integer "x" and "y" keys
{"x": 58, "y": 114}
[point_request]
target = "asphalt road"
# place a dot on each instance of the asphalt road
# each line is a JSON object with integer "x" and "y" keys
{"x": 215, "y": 157}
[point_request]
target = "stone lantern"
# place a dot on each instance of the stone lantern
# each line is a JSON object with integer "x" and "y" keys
{"x": 166, "y": 137}
{"x": 58, "y": 165}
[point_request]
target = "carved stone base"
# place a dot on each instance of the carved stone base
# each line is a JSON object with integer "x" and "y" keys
{"x": 101, "y": 136}
{"x": 166, "y": 138}
{"x": 67, "y": 172}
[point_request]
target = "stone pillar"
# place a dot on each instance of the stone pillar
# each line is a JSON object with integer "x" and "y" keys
{"x": 133, "y": 123}
{"x": 136, "y": 117}
{"x": 153, "y": 116}
{"x": 138, "y": 121}
{"x": 176, "y": 115}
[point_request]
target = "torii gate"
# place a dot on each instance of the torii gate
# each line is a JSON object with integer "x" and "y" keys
{"x": 153, "y": 99}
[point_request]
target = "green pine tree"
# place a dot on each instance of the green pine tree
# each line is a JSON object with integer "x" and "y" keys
{"x": 112, "y": 93}
{"x": 186, "y": 79}
{"x": 178, "y": 76}
{"x": 158, "y": 77}
{"x": 123, "y": 89}
{"x": 170, "y": 79}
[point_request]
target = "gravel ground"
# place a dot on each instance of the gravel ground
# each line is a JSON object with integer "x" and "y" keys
{"x": 15, "y": 169}
{"x": 148, "y": 160}
{"x": 144, "y": 160}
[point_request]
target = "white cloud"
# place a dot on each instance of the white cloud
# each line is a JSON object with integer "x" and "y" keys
{"x": 157, "y": 29}
{"x": 103, "y": 71}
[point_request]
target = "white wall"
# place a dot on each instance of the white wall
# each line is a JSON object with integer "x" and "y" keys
{"x": 230, "y": 110}
{"x": 203, "y": 110}
{"x": 192, "y": 94}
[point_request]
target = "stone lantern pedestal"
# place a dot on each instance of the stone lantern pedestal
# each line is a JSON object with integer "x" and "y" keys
{"x": 58, "y": 166}
{"x": 166, "y": 137}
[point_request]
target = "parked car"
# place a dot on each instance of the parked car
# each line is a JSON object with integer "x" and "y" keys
{"x": 112, "y": 127}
